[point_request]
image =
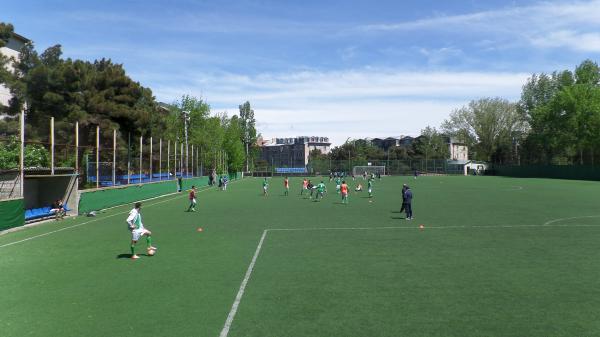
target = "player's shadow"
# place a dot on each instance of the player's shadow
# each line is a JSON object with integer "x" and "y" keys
{"x": 128, "y": 256}
{"x": 397, "y": 212}
{"x": 398, "y": 217}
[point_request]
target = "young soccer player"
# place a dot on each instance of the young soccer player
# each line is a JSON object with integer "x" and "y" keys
{"x": 265, "y": 186}
{"x": 338, "y": 183}
{"x": 286, "y": 185}
{"x": 192, "y": 198}
{"x": 344, "y": 189}
{"x": 370, "y": 187}
{"x": 58, "y": 209}
{"x": 311, "y": 188}
{"x": 304, "y": 186}
{"x": 321, "y": 189}
{"x": 134, "y": 221}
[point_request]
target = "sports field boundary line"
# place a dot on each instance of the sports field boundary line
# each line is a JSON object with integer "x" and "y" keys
{"x": 240, "y": 294}
{"x": 101, "y": 218}
{"x": 242, "y": 289}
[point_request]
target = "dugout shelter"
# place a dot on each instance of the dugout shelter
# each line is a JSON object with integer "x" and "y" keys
{"x": 42, "y": 188}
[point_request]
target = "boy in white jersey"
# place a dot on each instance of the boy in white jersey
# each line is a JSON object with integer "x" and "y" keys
{"x": 134, "y": 220}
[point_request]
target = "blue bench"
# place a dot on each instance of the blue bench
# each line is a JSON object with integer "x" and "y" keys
{"x": 40, "y": 213}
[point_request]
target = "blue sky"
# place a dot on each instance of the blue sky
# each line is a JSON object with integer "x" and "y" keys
{"x": 333, "y": 68}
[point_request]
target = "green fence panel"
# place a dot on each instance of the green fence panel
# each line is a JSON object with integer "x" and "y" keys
{"x": 574, "y": 172}
{"x": 12, "y": 213}
{"x": 100, "y": 199}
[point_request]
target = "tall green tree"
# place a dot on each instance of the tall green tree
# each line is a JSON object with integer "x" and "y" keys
{"x": 432, "y": 144}
{"x": 488, "y": 124}
{"x": 233, "y": 145}
{"x": 248, "y": 127}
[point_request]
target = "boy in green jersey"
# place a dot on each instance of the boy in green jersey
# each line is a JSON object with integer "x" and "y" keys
{"x": 265, "y": 186}
{"x": 370, "y": 188}
{"x": 338, "y": 184}
{"x": 321, "y": 189}
{"x": 134, "y": 221}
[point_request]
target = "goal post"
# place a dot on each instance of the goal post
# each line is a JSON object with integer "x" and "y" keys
{"x": 360, "y": 170}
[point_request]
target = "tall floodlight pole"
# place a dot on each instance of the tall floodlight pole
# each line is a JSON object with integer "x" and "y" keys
{"x": 97, "y": 156}
{"x": 151, "y": 158}
{"x": 128, "y": 158}
{"x": 181, "y": 159}
{"x": 168, "y": 159}
{"x": 52, "y": 145}
{"x": 114, "y": 165}
{"x": 141, "y": 151}
{"x": 77, "y": 148}
{"x": 175, "y": 160}
{"x": 160, "y": 159}
{"x": 22, "y": 149}
{"x": 186, "y": 120}
{"x": 192, "y": 167}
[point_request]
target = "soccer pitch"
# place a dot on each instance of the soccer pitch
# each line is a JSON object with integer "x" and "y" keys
{"x": 497, "y": 257}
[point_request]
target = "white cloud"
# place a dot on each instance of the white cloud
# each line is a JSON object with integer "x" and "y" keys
{"x": 585, "y": 42}
{"x": 340, "y": 104}
{"x": 571, "y": 25}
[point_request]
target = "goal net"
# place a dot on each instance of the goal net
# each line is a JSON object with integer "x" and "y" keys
{"x": 360, "y": 170}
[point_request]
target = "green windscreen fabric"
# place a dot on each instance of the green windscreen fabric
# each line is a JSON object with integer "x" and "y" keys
{"x": 12, "y": 213}
{"x": 577, "y": 172}
{"x": 104, "y": 198}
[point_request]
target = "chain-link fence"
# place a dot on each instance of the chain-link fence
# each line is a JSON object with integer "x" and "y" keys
{"x": 392, "y": 167}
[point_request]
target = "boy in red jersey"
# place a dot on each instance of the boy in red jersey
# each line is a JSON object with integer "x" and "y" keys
{"x": 344, "y": 190}
{"x": 304, "y": 186}
{"x": 192, "y": 198}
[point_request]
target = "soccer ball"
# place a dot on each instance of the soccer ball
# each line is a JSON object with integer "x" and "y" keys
{"x": 151, "y": 252}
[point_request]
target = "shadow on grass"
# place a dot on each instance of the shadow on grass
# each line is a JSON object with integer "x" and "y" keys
{"x": 128, "y": 256}
{"x": 398, "y": 218}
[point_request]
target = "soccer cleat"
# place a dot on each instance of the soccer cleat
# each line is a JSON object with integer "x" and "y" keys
{"x": 134, "y": 257}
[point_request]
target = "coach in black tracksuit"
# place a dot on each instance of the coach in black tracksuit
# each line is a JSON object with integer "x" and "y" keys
{"x": 408, "y": 203}
{"x": 404, "y": 187}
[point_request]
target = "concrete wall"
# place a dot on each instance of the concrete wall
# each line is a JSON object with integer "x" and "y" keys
{"x": 43, "y": 191}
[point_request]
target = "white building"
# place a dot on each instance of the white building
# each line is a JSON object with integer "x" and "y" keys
{"x": 12, "y": 49}
{"x": 292, "y": 152}
{"x": 458, "y": 151}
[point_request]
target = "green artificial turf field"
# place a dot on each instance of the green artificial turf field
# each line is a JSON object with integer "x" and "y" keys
{"x": 497, "y": 257}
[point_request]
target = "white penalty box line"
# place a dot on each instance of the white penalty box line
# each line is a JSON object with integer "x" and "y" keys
{"x": 242, "y": 289}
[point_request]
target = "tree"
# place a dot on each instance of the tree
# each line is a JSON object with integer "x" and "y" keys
{"x": 233, "y": 145}
{"x": 563, "y": 111}
{"x": 488, "y": 124}
{"x": 432, "y": 144}
{"x": 248, "y": 127}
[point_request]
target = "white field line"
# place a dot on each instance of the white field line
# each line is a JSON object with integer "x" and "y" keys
{"x": 548, "y": 223}
{"x": 238, "y": 297}
{"x": 240, "y": 294}
{"x": 97, "y": 219}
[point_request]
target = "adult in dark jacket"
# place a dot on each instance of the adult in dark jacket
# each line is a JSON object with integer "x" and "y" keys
{"x": 404, "y": 187}
{"x": 408, "y": 196}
